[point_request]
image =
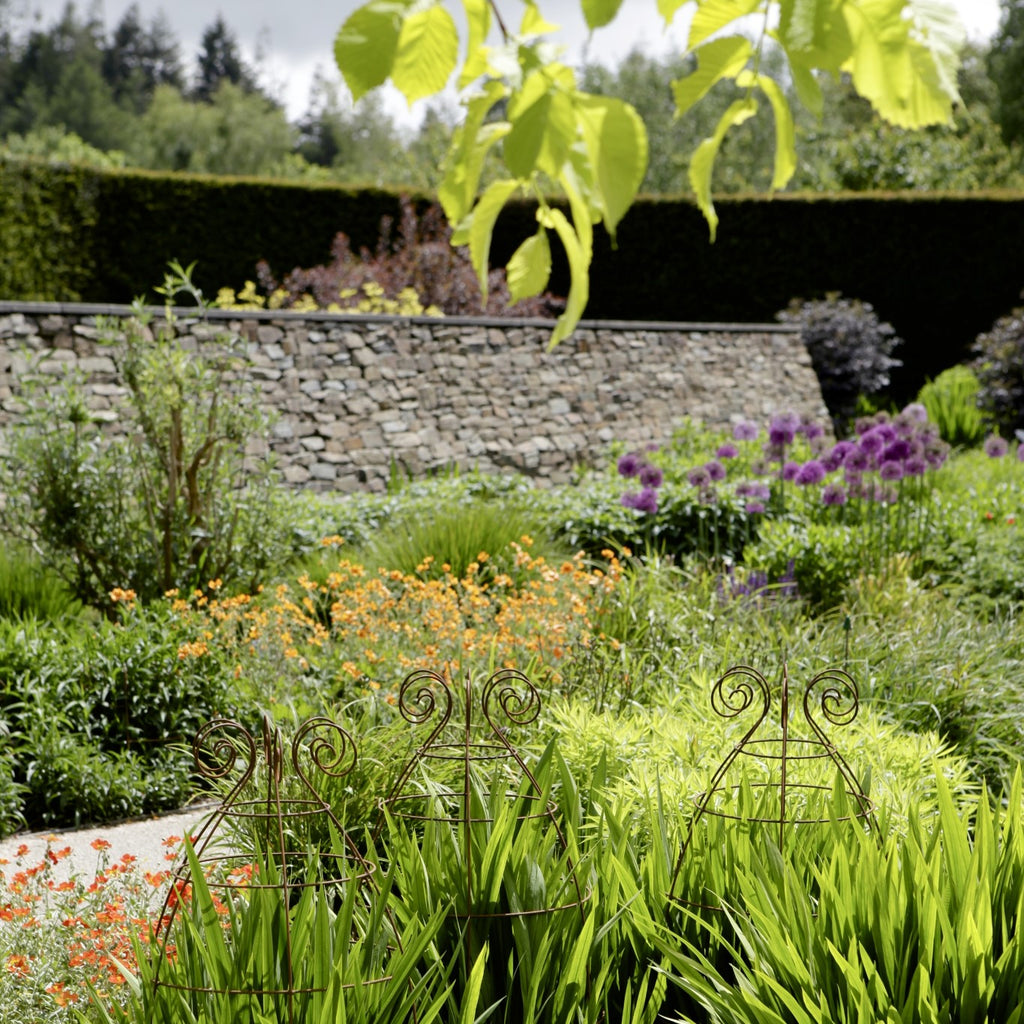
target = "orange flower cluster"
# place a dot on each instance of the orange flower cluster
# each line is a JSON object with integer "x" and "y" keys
{"x": 374, "y": 628}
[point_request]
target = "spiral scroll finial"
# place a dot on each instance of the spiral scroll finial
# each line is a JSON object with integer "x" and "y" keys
{"x": 418, "y": 700}
{"x": 331, "y": 749}
{"x": 516, "y": 696}
{"x": 730, "y": 701}
{"x": 839, "y": 700}
{"x": 218, "y": 746}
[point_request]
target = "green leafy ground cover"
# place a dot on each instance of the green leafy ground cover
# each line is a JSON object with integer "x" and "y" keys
{"x": 913, "y": 591}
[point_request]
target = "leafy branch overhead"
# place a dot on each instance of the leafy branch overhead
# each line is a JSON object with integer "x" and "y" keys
{"x": 522, "y": 103}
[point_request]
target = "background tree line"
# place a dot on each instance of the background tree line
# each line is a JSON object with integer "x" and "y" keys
{"x": 74, "y": 90}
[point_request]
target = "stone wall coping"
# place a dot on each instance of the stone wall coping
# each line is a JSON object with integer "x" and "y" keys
{"x": 283, "y": 315}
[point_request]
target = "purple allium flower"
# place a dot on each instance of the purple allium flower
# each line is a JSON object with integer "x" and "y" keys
{"x": 745, "y": 430}
{"x": 780, "y": 436}
{"x": 761, "y": 491}
{"x": 788, "y": 419}
{"x": 916, "y": 412}
{"x": 862, "y": 425}
{"x": 872, "y": 442}
{"x": 727, "y": 451}
{"x": 812, "y": 472}
{"x": 790, "y": 470}
{"x": 628, "y": 500}
{"x": 754, "y": 506}
{"x": 716, "y": 471}
{"x": 891, "y": 471}
{"x": 830, "y": 461}
{"x": 651, "y": 476}
{"x": 915, "y": 466}
{"x": 1020, "y": 453}
{"x": 935, "y": 453}
{"x": 995, "y": 446}
{"x": 698, "y": 477}
{"x": 887, "y": 432}
{"x": 629, "y": 464}
{"x": 842, "y": 449}
{"x": 760, "y": 468}
{"x": 811, "y": 430}
{"x": 858, "y": 461}
{"x": 647, "y": 501}
{"x": 896, "y": 451}
{"x": 833, "y": 494}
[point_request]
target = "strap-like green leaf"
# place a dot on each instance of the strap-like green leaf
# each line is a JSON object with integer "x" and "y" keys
{"x": 529, "y": 269}
{"x": 481, "y": 228}
{"x": 722, "y": 58}
{"x": 427, "y": 52}
{"x": 599, "y": 13}
{"x": 365, "y": 46}
{"x": 616, "y": 141}
{"x": 703, "y": 160}
{"x": 713, "y": 15}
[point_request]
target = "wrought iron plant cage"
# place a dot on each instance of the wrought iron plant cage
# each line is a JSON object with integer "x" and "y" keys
{"x": 783, "y": 784}
{"x": 469, "y": 741}
{"x": 267, "y": 811}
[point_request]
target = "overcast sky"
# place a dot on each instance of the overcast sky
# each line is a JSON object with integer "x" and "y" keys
{"x": 296, "y": 36}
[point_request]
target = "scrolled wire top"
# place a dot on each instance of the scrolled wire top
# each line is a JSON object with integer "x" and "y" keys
{"x": 730, "y": 701}
{"x": 839, "y": 699}
{"x": 218, "y": 746}
{"x": 331, "y": 749}
{"x": 516, "y": 696}
{"x": 418, "y": 700}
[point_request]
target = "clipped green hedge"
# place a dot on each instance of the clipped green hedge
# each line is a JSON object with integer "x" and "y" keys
{"x": 940, "y": 267}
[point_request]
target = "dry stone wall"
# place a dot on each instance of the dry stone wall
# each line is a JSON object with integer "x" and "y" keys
{"x": 357, "y": 396}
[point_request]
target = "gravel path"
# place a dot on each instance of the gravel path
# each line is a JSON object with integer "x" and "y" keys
{"x": 142, "y": 839}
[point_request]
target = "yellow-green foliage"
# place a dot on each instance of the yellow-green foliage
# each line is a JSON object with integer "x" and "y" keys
{"x": 370, "y": 298}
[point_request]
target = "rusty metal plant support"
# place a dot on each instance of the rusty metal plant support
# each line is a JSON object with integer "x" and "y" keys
{"x": 216, "y": 750}
{"x": 831, "y": 696}
{"x": 507, "y": 698}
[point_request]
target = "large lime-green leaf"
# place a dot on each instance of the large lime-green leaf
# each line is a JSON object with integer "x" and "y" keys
{"x": 472, "y": 141}
{"x": 543, "y": 123}
{"x": 481, "y": 228}
{"x": 785, "y": 134}
{"x": 712, "y": 16}
{"x": 529, "y": 269}
{"x": 938, "y": 27}
{"x": 599, "y": 13}
{"x": 703, "y": 160}
{"x": 478, "y": 22}
{"x": 721, "y": 58}
{"x": 616, "y": 141}
{"x": 534, "y": 23}
{"x": 366, "y": 44}
{"x": 579, "y": 279}
{"x": 797, "y": 19}
{"x": 667, "y": 9}
{"x": 428, "y": 50}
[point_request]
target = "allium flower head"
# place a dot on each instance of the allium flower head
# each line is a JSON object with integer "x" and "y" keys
{"x": 651, "y": 476}
{"x": 833, "y": 494}
{"x": 872, "y": 442}
{"x": 995, "y": 446}
{"x": 891, "y": 471}
{"x": 811, "y": 430}
{"x": 858, "y": 462}
{"x": 916, "y": 412}
{"x": 842, "y": 449}
{"x": 780, "y": 435}
{"x": 629, "y": 465}
{"x": 896, "y": 451}
{"x": 647, "y": 501}
{"x": 810, "y": 473}
{"x": 698, "y": 477}
{"x": 716, "y": 471}
{"x": 727, "y": 451}
{"x": 754, "y": 506}
{"x": 1020, "y": 453}
{"x": 790, "y": 470}
{"x": 915, "y": 466}
{"x": 745, "y": 430}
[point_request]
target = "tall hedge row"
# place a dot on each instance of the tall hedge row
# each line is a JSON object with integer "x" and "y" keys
{"x": 940, "y": 268}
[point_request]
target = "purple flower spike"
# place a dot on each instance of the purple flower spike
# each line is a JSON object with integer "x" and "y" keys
{"x": 995, "y": 446}
{"x": 715, "y": 470}
{"x": 812, "y": 472}
{"x": 833, "y": 494}
{"x": 651, "y": 476}
{"x": 698, "y": 477}
{"x": 727, "y": 451}
{"x": 790, "y": 470}
{"x": 745, "y": 430}
{"x": 629, "y": 465}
